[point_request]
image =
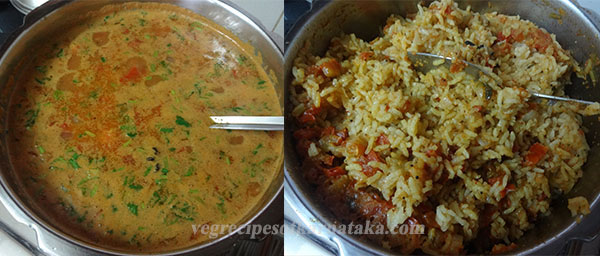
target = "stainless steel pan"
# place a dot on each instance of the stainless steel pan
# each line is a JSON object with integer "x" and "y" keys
{"x": 50, "y": 19}
{"x": 577, "y": 33}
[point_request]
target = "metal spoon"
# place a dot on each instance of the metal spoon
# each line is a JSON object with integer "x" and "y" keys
{"x": 424, "y": 62}
{"x": 262, "y": 123}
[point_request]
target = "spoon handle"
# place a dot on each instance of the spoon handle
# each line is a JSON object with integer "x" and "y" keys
{"x": 427, "y": 61}
{"x": 264, "y": 123}
{"x": 552, "y": 97}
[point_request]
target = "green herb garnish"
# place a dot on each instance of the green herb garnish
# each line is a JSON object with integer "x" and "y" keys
{"x": 167, "y": 130}
{"x": 133, "y": 208}
{"x": 183, "y": 122}
{"x": 255, "y": 151}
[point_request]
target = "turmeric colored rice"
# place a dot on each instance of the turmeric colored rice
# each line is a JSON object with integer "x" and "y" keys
{"x": 476, "y": 161}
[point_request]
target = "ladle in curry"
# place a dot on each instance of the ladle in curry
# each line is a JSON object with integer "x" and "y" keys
{"x": 261, "y": 123}
{"x": 425, "y": 62}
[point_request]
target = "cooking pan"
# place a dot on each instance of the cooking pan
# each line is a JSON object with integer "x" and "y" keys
{"x": 50, "y": 19}
{"x": 576, "y": 31}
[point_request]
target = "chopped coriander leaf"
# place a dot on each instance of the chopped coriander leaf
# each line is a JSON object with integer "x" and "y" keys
{"x": 261, "y": 82}
{"x": 183, "y": 122}
{"x": 203, "y": 138}
{"x": 164, "y": 171}
{"x": 147, "y": 171}
{"x": 221, "y": 205}
{"x": 172, "y": 149}
{"x": 41, "y": 69}
{"x": 60, "y": 53}
{"x": 58, "y": 94}
{"x": 31, "y": 117}
{"x": 241, "y": 59}
{"x": 73, "y": 161}
{"x": 236, "y": 109}
{"x": 135, "y": 186}
{"x": 196, "y": 25}
{"x": 88, "y": 133}
{"x": 255, "y": 151}
{"x": 103, "y": 59}
{"x": 39, "y": 81}
{"x": 133, "y": 208}
{"x": 167, "y": 130}
{"x": 40, "y": 149}
{"x": 189, "y": 172}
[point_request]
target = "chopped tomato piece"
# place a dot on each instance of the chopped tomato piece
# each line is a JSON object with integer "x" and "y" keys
{"x": 501, "y": 37}
{"x": 448, "y": 10}
{"x": 382, "y": 140}
{"x": 536, "y": 152}
{"x": 369, "y": 170}
{"x": 309, "y": 116}
{"x": 405, "y": 107}
{"x": 443, "y": 82}
{"x": 331, "y": 68}
{"x": 516, "y": 35}
{"x": 328, "y": 159}
{"x": 509, "y": 188}
{"x": 328, "y": 131}
{"x": 334, "y": 172}
{"x": 494, "y": 180}
{"x": 366, "y": 55}
{"x": 478, "y": 108}
{"x": 364, "y": 162}
{"x": 373, "y": 156}
{"x": 457, "y": 66}
{"x": 541, "y": 40}
{"x": 314, "y": 70}
{"x": 132, "y": 74}
{"x": 502, "y": 248}
{"x": 306, "y": 133}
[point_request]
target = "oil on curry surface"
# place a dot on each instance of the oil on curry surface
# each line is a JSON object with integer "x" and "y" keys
{"x": 109, "y": 128}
